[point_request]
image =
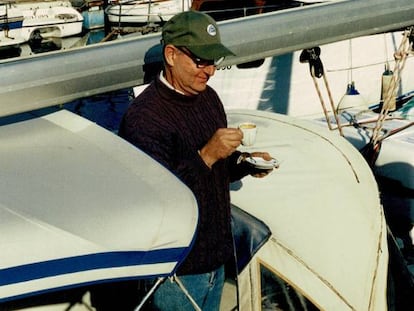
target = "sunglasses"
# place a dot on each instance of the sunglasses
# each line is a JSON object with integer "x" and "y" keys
{"x": 200, "y": 63}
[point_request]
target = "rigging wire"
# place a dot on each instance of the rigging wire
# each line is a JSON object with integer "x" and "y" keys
{"x": 350, "y": 77}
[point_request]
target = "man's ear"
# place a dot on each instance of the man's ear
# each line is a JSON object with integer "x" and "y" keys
{"x": 169, "y": 54}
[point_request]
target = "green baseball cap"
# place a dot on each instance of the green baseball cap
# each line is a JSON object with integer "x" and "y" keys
{"x": 196, "y": 31}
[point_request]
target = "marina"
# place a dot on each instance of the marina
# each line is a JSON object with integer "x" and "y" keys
{"x": 345, "y": 219}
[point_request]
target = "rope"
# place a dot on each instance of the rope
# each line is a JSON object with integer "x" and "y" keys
{"x": 312, "y": 56}
{"x": 325, "y": 111}
{"x": 328, "y": 89}
{"x": 400, "y": 56}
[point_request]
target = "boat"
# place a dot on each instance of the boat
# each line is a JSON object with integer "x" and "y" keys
{"x": 50, "y": 19}
{"x": 60, "y": 245}
{"x": 378, "y": 124}
{"x": 143, "y": 15}
{"x": 59, "y": 44}
{"x": 149, "y": 15}
{"x": 11, "y": 21}
{"x": 35, "y": 20}
{"x": 362, "y": 68}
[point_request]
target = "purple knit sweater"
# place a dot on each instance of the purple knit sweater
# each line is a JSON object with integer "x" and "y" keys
{"x": 171, "y": 128}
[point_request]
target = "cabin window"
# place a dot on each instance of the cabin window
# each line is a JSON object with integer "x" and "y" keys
{"x": 278, "y": 295}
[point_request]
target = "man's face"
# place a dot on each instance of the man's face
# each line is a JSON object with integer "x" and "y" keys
{"x": 188, "y": 74}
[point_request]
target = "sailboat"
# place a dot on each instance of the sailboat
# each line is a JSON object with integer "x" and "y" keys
{"x": 342, "y": 87}
{"x": 21, "y": 21}
{"x": 60, "y": 233}
{"x": 314, "y": 230}
{"x": 10, "y": 20}
{"x": 143, "y": 15}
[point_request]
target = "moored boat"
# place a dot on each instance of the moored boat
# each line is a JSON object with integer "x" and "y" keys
{"x": 61, "y": 250}
{"x": 11, "y": 22}
{"x": 50, "y": 19}
{"x": 34, "y": 20}
{"x": 143, "y": 15}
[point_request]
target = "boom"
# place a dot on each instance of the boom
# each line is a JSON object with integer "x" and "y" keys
{"x": 59, "y": 77}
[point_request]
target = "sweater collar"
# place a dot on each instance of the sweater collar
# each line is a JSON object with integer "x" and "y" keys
{"x": 172, "y": 96}
{"x": 168, "y": 84}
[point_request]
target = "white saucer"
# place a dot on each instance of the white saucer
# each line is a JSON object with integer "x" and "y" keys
{"x": 261, "y": 163}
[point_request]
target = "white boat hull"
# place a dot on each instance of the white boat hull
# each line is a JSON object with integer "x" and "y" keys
{"x": 49, "y": 235}
{"x": 11, "y": 21}
{"x": 143, "y": 12}
{"x": 47, "y": 19}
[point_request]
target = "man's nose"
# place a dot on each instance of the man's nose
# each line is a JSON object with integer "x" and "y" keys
{"x": 210, "y": 70}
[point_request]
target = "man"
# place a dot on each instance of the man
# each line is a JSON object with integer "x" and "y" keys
{"x": 180, "y": 121}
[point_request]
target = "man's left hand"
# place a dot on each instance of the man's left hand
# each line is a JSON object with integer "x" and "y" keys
{"x": 260, "y": 173}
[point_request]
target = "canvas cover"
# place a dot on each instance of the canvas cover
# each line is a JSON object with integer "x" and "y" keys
{"x": 328, "y": 232}
{"x": 79, "y": 205}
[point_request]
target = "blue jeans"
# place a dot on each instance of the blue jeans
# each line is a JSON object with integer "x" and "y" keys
{"x": 206, "y": 290}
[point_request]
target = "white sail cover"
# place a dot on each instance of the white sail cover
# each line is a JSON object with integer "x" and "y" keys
{"x": 79, "y": 205}
{"x": 322, "y": 206}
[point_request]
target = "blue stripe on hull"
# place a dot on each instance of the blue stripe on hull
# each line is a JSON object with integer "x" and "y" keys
{"x": 75, "y": 264}
{"x": 11, "y": 25}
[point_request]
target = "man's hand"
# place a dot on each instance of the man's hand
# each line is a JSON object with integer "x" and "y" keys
{"x": 265, "y": 156}
{"x": 221, "y": 145}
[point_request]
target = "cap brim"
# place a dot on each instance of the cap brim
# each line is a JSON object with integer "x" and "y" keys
{"x": 210, "y": 51}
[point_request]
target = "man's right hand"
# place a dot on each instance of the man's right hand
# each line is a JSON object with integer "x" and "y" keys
{"x": 221, "y": 145}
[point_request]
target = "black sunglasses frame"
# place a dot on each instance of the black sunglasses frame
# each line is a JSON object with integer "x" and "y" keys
{"x": 199, "y": 62}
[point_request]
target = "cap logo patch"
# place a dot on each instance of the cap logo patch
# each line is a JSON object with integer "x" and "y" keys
{"x": 211, "y": 30}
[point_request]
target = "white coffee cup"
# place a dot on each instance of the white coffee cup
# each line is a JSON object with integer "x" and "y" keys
{"x": 249, "y": 130}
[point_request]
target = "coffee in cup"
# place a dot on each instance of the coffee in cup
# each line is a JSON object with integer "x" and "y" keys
{"x": 249, "y": 130}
